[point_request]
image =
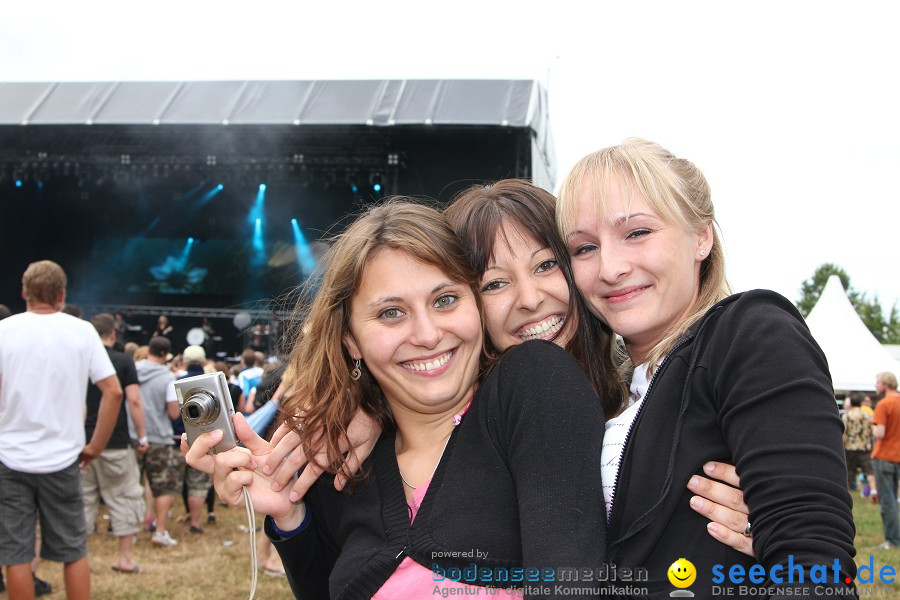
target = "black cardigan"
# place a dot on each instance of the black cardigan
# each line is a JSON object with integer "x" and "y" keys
{"x": 747, "y": 385}
{"x": 519, "y": 481}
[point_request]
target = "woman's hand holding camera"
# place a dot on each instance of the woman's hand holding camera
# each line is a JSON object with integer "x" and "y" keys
{"x": 283, "y": 462}
{"x": 242, "y": 467}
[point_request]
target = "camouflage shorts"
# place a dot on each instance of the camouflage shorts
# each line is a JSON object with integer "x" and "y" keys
{"x": 164, "y": 466}
{"x": 198, "y": 482}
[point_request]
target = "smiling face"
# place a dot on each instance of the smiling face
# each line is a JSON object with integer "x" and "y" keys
{"x": 638, "y": 273}
{"x": 682, "y": 573}
{"x": 418, "y": 332}
{"x": 524, "y": 291}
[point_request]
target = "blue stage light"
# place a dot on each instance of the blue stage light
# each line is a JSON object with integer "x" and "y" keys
{"x": 255, "y": 282}
{"x": 305, "y": 256}
{"x": 18, "y": 183}
{"x": 257, "y": 211}
{"x": 355, "y": 188}
{"x": 375, "y": 181}
{"x": 259, "y": 246}
{"x": 185, "y": 254}
{"x": 256, "y": 217}
{"x": 208, "y": 196}
{"x": 191, "y": 193}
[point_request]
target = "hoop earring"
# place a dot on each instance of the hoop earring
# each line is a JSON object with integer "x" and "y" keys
{"x": 356, "y": 373}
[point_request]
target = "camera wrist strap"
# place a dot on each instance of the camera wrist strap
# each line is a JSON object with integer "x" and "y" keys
{"x": 251, "y": 525}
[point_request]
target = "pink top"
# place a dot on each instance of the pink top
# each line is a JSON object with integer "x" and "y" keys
{"x": 412, "y": 580}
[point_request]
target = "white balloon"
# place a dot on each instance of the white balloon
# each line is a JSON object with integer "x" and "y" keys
{"x": 242, "y": 320}
{"x": 196, "y": 336}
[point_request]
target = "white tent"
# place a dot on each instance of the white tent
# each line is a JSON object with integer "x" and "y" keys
{"x": 854, "y": 355}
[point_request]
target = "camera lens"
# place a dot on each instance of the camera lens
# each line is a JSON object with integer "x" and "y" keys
{"x": 200, "y": 407}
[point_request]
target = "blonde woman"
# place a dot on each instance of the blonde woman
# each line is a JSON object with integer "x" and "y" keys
{"x": 733, "y": 378}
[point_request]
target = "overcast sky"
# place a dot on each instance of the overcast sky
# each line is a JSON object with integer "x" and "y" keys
{"x": 789, "y": 107}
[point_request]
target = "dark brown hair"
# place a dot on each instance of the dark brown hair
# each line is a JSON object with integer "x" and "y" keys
{"x": 477, "y": 216}
{"x": 104, "y": 323}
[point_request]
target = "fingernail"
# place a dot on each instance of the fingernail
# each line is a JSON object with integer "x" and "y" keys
{"x": 216, "y": 433}
{"x": 709, "y": 467}
{"x": 267, "y": 470}
{"x": 277, "y": 487}
{"x": 697, "y": 502}
{"x": 694, "y": 482}
{"x": 712, "y": 528}
{"x": 294, "y": 497}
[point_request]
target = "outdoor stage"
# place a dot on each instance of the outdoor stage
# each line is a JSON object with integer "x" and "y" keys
{"x": 216, "y": 198}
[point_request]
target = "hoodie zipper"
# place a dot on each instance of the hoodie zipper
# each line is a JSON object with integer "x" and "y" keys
{"x": 680, "y": 343}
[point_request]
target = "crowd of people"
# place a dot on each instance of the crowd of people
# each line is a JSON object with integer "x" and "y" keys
{"x": 872, "y": 447}
{"x": 517, "y": 383}
{"x": 65, "y": 381}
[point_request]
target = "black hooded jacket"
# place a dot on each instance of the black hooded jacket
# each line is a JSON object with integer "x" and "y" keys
{"x": 746, "y": 385}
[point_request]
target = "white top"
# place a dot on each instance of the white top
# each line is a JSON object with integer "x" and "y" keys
{"x": 45, "y": 363}
{"x": 616, "y": 431}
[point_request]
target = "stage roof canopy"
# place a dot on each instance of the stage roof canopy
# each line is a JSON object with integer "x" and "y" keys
{"x": 514, "y": 103}
{"x": 385, "y": 103}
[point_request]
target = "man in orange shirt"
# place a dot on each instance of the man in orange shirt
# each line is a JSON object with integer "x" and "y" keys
{"x": 886, "y": 455}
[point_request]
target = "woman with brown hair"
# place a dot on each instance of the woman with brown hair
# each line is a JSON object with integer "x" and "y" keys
{"x": 508, "y": 230}
{"x": 483, "y": 469}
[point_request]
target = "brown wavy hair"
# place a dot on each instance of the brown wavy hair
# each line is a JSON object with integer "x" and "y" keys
{"x": 477, "y": 215}
{"x": 320, "y": 388}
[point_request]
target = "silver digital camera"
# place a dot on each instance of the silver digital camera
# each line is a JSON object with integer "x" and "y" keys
{"x": 205, "y": 406}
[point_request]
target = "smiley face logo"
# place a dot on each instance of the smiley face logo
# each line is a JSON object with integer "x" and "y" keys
{"x": 682, "y": 573}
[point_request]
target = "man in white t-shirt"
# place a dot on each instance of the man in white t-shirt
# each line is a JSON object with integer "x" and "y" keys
{"x": 46, "y": 360}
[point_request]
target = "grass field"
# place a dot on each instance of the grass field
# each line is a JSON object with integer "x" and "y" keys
{"x": 868, "y": 537}
{"x": 216, "y": 564}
